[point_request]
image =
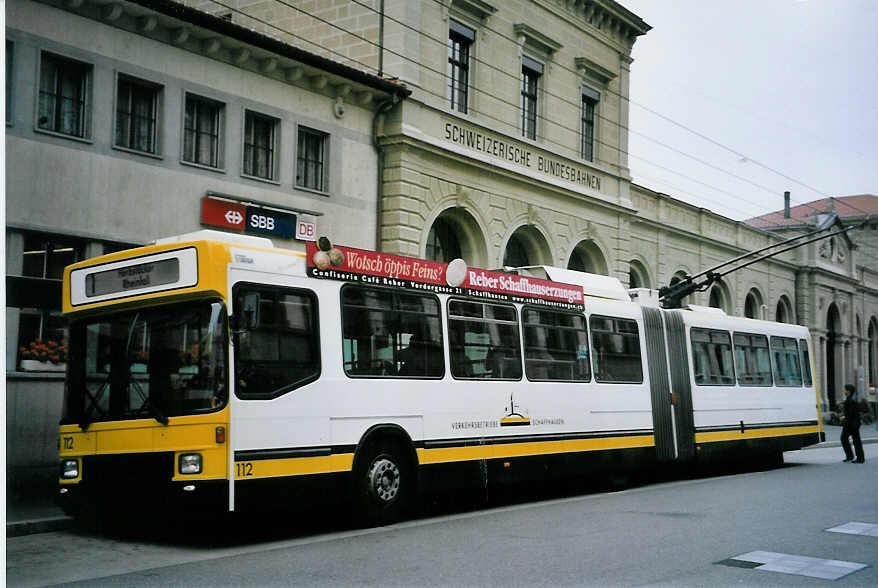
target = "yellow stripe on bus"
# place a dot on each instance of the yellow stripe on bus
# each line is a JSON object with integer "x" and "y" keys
{"x": 293, "y": 466}
{"x": 713, "y": 436}
{"x": 452, "y": 454}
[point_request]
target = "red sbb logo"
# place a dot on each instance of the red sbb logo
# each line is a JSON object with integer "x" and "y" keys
{"x": 219, "y": 213}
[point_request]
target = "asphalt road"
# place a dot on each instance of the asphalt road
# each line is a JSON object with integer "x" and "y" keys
{"x": 667, "y": 534}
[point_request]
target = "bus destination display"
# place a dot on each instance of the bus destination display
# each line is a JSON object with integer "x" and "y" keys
{"x": 133, "y": 277}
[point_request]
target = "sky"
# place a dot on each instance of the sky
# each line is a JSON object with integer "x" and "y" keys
{"x": 734, "y": 102}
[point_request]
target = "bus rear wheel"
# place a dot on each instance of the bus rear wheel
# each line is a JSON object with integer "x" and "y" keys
{"x": 384, "y": 485}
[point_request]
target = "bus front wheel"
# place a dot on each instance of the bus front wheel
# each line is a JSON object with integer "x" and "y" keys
{"x": 384, "y": 485}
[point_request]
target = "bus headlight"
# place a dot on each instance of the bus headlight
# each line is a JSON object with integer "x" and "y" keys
{"x": 190, "y": 463}
{"x": 69, "y": 469}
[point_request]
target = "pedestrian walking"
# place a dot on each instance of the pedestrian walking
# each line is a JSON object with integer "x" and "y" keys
{"x": 850, "y": 426}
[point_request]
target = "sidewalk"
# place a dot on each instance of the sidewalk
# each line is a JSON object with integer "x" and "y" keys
{"x": 25, "y": 517}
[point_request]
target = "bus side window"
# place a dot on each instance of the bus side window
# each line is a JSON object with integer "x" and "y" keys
{"x": 279, "y": 350}
{"x": 555, "y": 346}
{"x": 806, "y": 362}
{"x": 484, "y": 341}
{"x": 753, "y": 360}
{"x": 712, "y": 357}
{"x": 785, "y": 356}
{"x": 387, "y": 333}
{"x": 616, "y": 350}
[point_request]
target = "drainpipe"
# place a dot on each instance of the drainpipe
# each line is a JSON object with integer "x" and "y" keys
{"x": 383, "y": 107}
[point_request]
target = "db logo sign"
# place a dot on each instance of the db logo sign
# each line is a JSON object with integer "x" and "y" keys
{"x": 306, "y": 231}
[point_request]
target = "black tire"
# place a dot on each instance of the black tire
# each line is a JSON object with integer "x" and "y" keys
{"x": 384, "y": 484}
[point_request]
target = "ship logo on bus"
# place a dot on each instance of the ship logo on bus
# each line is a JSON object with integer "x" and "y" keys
{"x": 515, "y": 415}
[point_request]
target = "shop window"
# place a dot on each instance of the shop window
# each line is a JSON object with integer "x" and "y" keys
{"x": 42, "y": 340}
{"x": 64, "y": 101}
{"x": 46, "y": 258}
{"x": 311, "y": 160}
{"x": 137, "y": 115}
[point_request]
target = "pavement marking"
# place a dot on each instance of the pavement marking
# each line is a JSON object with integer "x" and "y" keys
{"x": 855, "y": 528}
{"x": 798, "y": 565}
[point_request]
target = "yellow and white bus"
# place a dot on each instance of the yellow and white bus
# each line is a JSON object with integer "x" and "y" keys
{"x": 214, "y": 371}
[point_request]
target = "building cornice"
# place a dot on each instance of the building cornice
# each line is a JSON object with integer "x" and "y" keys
{"x": 216, "y": 38}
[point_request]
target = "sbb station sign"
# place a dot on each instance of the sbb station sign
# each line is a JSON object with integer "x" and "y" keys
{"x": 255, "y": 219}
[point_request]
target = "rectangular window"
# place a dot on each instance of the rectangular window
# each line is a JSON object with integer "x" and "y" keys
{"x": 753, "y": 359}
{"x": 460, "y": 40}
{"x": 10, "y": 70}
{"x": 712, "y": 358}
{"x": 531, "y": 71}
{"x": 806, "y": 362}
{"x": 64, "y": 96}
{"x": 311, "y": 160}
{"x": 42, "y": 340}
{"x": 260, "y": 145}
{"x": 555, "y": 346}
{"x": 590, "y": 100}
{"x": 137, "y": 107}
{"x": 202, "y": 131}
{"x": 616, "y": 350}
{"x": 278, "y": 348}
{"x": 391, "y": 334}
{"x": 46, "y": 258}
{"x": 484, "y": 341}
{"x": 785, "y": 356}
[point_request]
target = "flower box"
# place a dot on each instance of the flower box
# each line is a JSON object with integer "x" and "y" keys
{"x": 34, "y": 365}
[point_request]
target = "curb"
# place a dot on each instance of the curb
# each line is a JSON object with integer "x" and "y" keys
{"x": 33, "y": 526}
{"x": 826, "y": 444}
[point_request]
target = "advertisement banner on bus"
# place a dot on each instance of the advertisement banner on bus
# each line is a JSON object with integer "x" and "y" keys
{"x": 371, "y": 267}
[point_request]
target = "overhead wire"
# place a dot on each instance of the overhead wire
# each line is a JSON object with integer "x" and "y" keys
{"x": 443, "y": 74}
{"x": 545, "y": 121}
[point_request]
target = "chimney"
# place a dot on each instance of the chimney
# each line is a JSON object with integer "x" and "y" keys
{"x": 786, "y": 204}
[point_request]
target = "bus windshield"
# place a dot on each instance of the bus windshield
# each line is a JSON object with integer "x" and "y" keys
{"x": 149, "y": 363}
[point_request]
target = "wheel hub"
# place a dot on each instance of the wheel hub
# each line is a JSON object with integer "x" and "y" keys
{"x": 384, "y": 480}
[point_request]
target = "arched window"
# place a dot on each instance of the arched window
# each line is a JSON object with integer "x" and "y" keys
{"x": 719, "y": 297}
{"x": 526, "y": 246}
{"x": 587, "y": 257}
{"x": 637, "y": 275}
{"x": 753, "y": 304}
{"x": 442, "y": 242}
{"x": 784, "y": 311}
{"x": 456, "y": 234}
{"x": 516, "y": 253}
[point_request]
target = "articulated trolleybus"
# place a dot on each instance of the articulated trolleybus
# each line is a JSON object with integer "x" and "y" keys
{"x": 215, "y": 371}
